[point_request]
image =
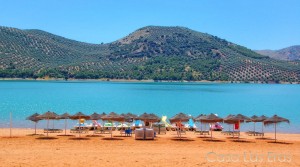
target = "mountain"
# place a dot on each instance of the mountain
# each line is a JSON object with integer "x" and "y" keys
{"x": 290, "y": 53}
{"x": 152, "y": 52}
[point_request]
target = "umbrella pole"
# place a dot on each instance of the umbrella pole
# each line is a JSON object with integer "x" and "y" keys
{"x": 79, "y": 130}
{"x": 111, "y": 129}
{"x": 47, "y": 126}
{"x": 275, "y": 133}
{"x": 211, "y": 132}
{"x": 262, "y": 129}
{"x": 233, "y": 131}
{"x": 35, "y": 128}
{"x": 65, "y": 127}
{"x": 94, "y": 126}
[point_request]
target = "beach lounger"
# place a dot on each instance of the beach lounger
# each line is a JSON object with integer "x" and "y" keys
{"x": 202, "y": 132}
{"x": 252, "y": 133}
{"x": 229, "y": 133}
{"x": 79, "y": 130}
{"x": 53, "y": 130}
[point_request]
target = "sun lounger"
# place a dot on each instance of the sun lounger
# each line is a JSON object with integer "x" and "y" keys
{"x": 202, "y": 132}
{"x": 159, "y": 128}
{"x": 252, "y": 133}
{"x": 79, "y": 130}
{"x": 230, "y": 133}
{"x": 53, "y": 130}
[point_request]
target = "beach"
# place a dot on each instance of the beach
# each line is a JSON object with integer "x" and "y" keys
{"x": 164, "y": 150}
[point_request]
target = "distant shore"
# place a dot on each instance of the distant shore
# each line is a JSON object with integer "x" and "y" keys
{"x": 142, "y": 81}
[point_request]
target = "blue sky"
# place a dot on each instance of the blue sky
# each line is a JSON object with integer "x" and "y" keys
{"x": 256, "y": 24}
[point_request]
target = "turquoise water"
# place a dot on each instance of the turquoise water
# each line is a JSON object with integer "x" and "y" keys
{"x": 23, "y": 98}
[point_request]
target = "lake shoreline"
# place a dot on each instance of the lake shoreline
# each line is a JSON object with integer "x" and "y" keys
{"x": 140, "y": 81}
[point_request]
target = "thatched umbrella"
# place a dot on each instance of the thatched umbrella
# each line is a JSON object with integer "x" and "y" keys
{"x": 48, "y": 115}
{"x": 179, "y": 118}
{"x": 129, "y": 117}
{"x": 212, "y": 118}
{"x": 261, "y": 119}
{"x": 254, "y": 120}
{"x": 95, "y": 116}
{"x": 79, "y": 116}
{"x": 233, "y": 119}
{"x": 113, "y": 117}
{"x": 34, "y": 119}
{"x": 149, "y": 118}
{"x": 65, "y": 116}
{"x": 275, "y": 120}
{"x": 198, "y": 119}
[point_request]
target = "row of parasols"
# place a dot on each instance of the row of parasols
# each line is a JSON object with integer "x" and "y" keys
{"x": 232, "y": 119}
{"x": 178, "y": 118}
{"x": 129, "y": 117}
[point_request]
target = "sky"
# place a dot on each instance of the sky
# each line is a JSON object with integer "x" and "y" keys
{"x": 256, "y": 24}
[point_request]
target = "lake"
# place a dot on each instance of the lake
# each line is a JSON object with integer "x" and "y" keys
{"x": 23, "y": 98}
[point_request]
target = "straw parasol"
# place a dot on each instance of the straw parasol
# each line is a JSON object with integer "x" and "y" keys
{"x": 95, "y": 116}
{"x": 179, "y": 118}
{"x": 48, "y": 115}
{"x": 65, "y": 116}
{"x": 79, "y": 116}
{"x": 261, "y": 119}
{"x": 233, "y": 119}
{"x": 198, "y": 119}
{"x": 275, "y": 120}
{"x": 129, "y": 117}
{"x": 113, "y": 117}
{"x": 254, "y": 120}
{"x": 34, "y": 119}
{"x": 149, "y": 118}
{"x": 212, "y": 118}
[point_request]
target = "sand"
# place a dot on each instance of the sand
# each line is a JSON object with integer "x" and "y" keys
{"x": 165, "y": 150}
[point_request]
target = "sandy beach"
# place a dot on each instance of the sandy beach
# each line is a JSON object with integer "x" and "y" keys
{"x": 165, "y": 150}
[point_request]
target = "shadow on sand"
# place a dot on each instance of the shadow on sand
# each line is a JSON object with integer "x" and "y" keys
{"x": 213, "y": 140}
{"x": 109, "y": 138}
{"x": 280, "y": 142}
{"x": 35, "y": 135}
{"x": 183, "y": 139}
{"x": 66, "y": 135}
{"x": 79, "y": 138}
{"x": 242, "y": 141}
{"x": 46, "y": 138}
{"x": 94, "y": 136}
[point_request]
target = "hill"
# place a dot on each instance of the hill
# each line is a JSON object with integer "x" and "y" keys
{"x": 290, "y": 53}
{"x": 153, "y": 52}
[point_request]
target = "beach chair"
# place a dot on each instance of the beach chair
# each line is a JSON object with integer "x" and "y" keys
{"x": 53, "y": 130}
{"x": 128, "y": 132}
{"x": 201, "y": 132}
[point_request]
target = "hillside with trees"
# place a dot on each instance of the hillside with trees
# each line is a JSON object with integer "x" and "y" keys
{"x": 153, "y": 52}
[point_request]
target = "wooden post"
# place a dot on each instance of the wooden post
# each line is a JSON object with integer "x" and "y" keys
{"x": 275, "y": 133}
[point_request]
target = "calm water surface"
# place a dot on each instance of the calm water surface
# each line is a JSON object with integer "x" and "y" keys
{"x": 23, "y": 98}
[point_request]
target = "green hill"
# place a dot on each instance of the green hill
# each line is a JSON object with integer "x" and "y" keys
{"x": 153, "y": 52}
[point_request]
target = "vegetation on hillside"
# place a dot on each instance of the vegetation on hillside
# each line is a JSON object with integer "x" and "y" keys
{"x": 153, "y": 52}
